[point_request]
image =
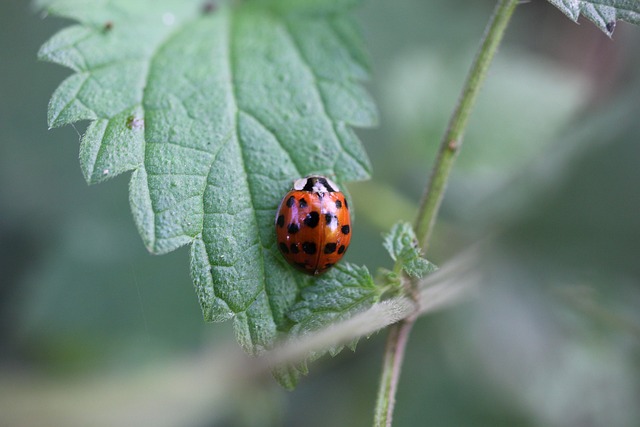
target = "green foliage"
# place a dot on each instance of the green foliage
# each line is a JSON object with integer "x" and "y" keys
{"x": 402, "y": 244}
{"x": 603, "y": 13}
{"x": 336, "y": 296}
{"x": 215, "y": 110}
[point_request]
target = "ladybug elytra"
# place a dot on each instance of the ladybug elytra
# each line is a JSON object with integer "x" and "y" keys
{"x": 313, "y": 225}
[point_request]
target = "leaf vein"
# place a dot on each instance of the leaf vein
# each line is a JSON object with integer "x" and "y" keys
{"x": 74, "y": 98}
{"x": 178, "y": 202}
{"x": 185, "y": 175}
{"x": 323, "y": 101}
{"x": 186, "y": 147}
{"x": 275, "y": 136}
{"x": 107, "y": 65}
{"x": 148, "y": 63}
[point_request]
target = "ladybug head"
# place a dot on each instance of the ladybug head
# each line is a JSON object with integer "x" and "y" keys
{"x": 316, "y": 184}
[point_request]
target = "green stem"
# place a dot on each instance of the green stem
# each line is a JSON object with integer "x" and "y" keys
{"x": 452, "y": 139}
{"x": 432, "y": 198}
{"x": 393, "y": 357}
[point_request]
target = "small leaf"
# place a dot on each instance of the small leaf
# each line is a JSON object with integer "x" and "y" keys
{"x": 402, "y": 245}
{"x": 216, "y": 111}
{"x": 603, "y": 13}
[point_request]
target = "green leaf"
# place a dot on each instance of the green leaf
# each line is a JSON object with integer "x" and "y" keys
{"x": 335, "y": 296}
{"x": 403, "y": 247}
{"x": 216, "y": 111}
{"x": 289, "y": 375}
{"x": 344, "y": 290}
{"x": 603, "y": 13}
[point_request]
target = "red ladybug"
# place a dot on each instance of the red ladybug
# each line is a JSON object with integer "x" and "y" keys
{"x": 313, "y": 225}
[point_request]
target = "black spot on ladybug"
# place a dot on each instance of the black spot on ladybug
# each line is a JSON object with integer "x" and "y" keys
{"x": 345, "y": 229}
{"x": 328, "y": 218}
{"x": 312, "y": 219}
{"x": 346, "y": 205}
{"x": 329, "y": 248}
{"x": 294, "y": 248}
{"x": 341, "y": 249}
{"x": 302, "y": 203}
{"x": 309, "y": 248}
{"x": 284, "y": 248}
{"x": 290, "y": 201}
{"x": 280, "y": 221}
{"x": 301, "y": 265}
{"x": 293, "y": 228}
{"x": 329, "y": 265}
{"x": 338, "y": 204}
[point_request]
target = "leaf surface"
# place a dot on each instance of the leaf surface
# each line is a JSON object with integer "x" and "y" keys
{"x": 335, "y": 296}
{"x": 402, "y": 245}
{"x": 603, "y": 13}
{"x": 339, "y": 294}
{"x": 216, "y": 110}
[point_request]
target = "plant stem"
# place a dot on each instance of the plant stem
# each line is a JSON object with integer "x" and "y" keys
{"x": 393, "y": 357}
{"x": 452, "y": 139}
{"x": 432, "y": 198}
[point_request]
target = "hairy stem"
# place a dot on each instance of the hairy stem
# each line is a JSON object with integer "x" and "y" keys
{"x": 452, "y": 139}
{"x": 432, "y": 198}
{"x": 393, "y": 357}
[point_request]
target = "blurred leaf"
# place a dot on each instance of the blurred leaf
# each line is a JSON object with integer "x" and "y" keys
{"x": 603, "y": 13}
{"x": 215, "y": 111}
{"x": 402, "y": 244}
{"x": 385, "y": 195}
{"x": 419, "y": 92}
{"x": 95, "y": 296}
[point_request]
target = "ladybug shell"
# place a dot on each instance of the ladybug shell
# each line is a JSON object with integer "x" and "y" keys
{"x": 313, "y": 225}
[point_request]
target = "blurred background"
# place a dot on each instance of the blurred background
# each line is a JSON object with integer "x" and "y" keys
{"x": 96, "y": 331}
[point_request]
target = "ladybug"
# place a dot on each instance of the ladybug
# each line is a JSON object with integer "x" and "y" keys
{"x": 313, "y": 225}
